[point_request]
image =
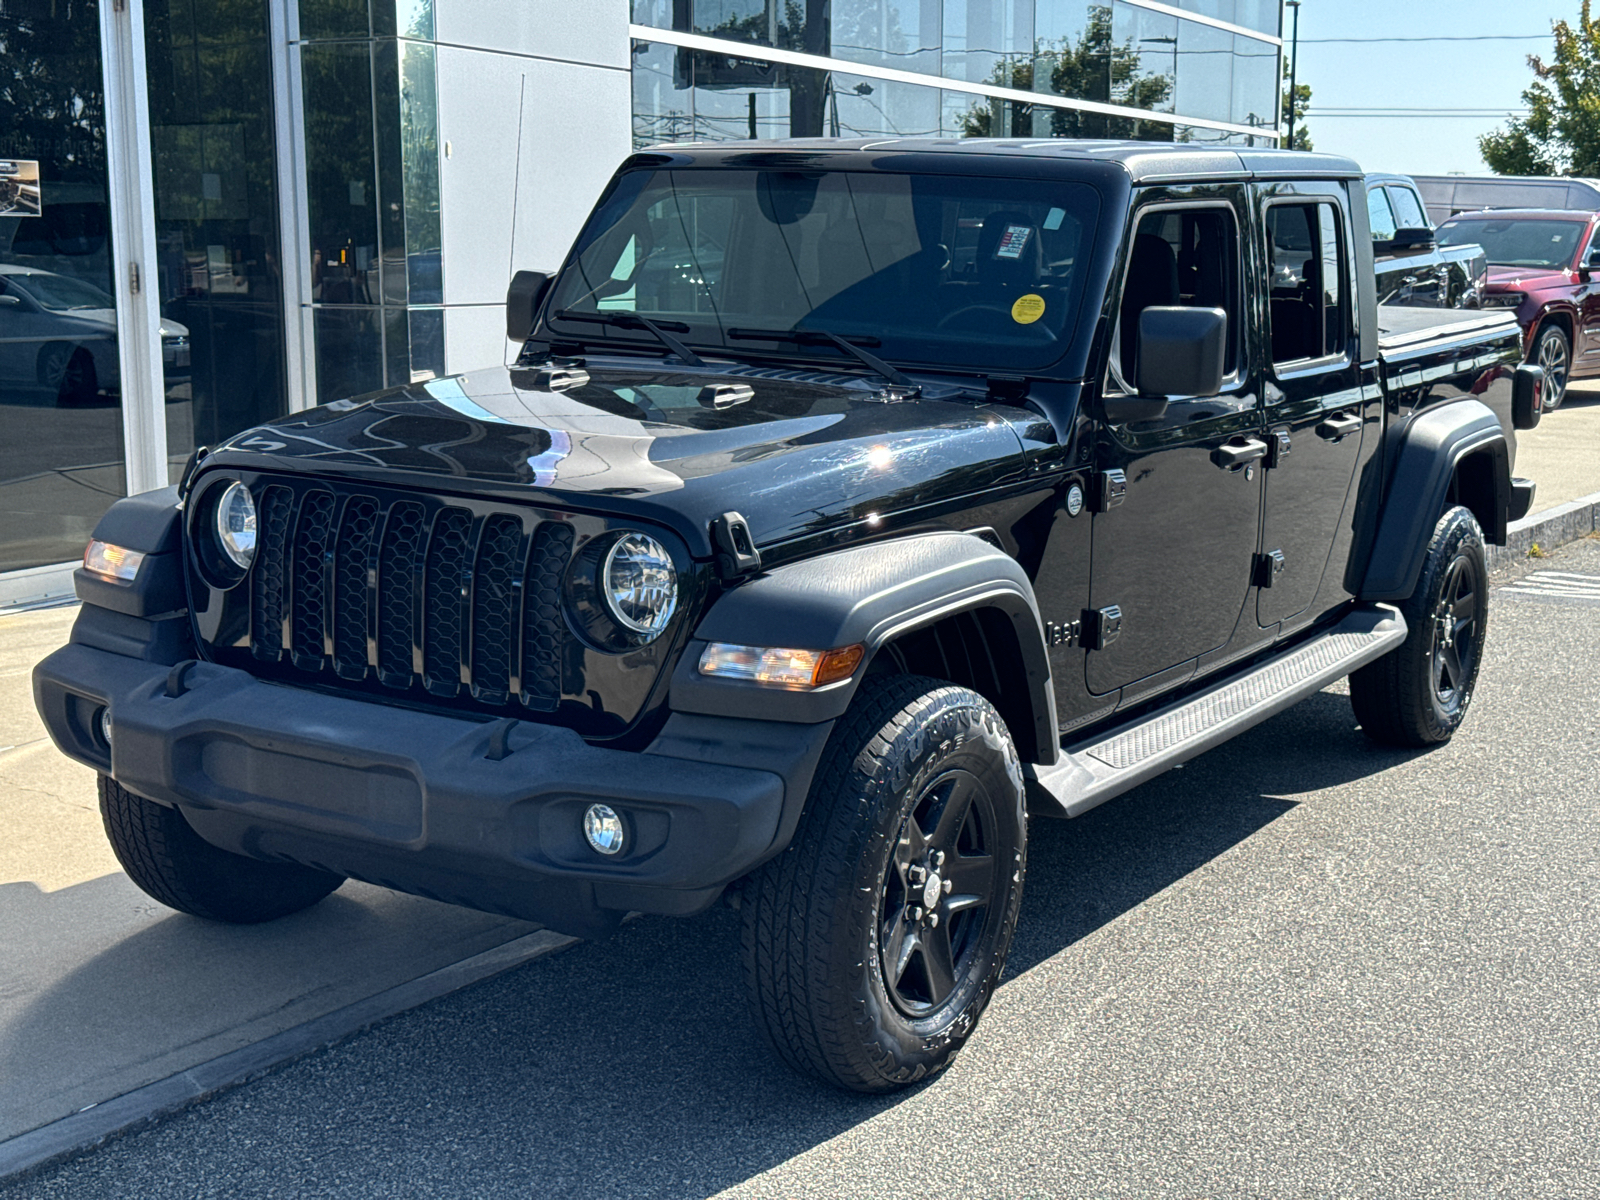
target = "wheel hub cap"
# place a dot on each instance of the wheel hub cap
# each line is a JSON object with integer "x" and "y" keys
{"x": 932, "y": 890}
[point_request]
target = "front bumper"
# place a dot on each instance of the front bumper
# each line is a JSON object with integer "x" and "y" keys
{"x": 411, "y": 800}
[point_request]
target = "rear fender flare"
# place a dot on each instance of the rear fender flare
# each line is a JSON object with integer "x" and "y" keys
{"x": 1428, "y": 456}
{"x": 870, "y": 594}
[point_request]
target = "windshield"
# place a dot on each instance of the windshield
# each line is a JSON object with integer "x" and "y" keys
{"x": 929, "y": 269}
{"x": 59, "y": 293}
{"x": 1510, "y": 242}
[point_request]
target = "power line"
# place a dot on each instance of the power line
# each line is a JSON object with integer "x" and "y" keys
{"x": 1487, "y": 37}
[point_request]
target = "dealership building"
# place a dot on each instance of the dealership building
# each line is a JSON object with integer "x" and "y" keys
{"x": 215, "y": 212}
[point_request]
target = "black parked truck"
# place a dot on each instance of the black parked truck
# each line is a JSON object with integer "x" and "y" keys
{"x": 848, "y": 503}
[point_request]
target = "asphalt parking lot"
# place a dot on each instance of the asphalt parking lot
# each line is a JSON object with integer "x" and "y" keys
{"x": 1299, "y": 966}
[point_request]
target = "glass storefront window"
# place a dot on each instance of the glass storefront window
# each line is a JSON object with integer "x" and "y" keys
{"x": 61, "y": 449}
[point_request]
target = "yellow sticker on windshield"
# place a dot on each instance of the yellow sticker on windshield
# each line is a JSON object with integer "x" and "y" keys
{"x": 1028, "y": 309}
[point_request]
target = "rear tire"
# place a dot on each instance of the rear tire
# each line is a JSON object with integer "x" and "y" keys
{"x": 174, "y": 865}
{"x": 70, "y": 372}
{"x": 1418, "y": 694}
{"x": 873, "y": 942}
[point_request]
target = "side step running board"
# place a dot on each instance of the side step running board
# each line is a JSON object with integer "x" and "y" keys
{"x": 1091, "y": 773}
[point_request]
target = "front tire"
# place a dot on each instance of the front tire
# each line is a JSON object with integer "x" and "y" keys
{"x": 1418, "y": 694}
{"x": 173, "y": 864}
{"x": 1553, "y": 352}
{"x": 873, "y": 942}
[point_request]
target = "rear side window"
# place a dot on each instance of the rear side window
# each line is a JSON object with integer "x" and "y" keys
{"x": 1408, "y": 209}
{"x": 1380, "y": 215}
{"x": 1186, "y": 258}
{"x": 1309, "y": 302}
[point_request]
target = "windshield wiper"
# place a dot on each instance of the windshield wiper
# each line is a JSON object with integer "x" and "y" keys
{"x": 627, "y": 320}
{"x": 821, "y": 337}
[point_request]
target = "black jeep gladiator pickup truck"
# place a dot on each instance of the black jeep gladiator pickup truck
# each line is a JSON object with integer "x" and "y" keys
{"x": 848, "y": 502}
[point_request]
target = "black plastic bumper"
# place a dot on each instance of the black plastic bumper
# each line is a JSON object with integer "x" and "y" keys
{"x": 411, "y": 800}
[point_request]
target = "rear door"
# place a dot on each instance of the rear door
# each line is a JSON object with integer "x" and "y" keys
{"x": 1586, "y": 354}
{"x": 1314, "y": 408}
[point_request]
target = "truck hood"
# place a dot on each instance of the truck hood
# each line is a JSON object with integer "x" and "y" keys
{"x": 1525, "y": 279}
{"x": 805, "y": 454}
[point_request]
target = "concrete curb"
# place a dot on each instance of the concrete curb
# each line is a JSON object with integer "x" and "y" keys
{"x": 1548, "y": 529}
{"x": 100, "y": 1122}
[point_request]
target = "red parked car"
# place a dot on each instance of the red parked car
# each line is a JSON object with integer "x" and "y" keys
{"x": 1545, "y": 263}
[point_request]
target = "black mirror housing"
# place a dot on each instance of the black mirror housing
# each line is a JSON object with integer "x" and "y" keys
{"x": 1527, "y": 396}
{"x": 523, "y": 298}
{"x": 1413, "y": 238}
{"x": 1181, "y": 351}
{"x": 1594, "y": 259}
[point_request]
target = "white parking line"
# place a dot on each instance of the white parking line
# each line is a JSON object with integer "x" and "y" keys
{"x": 1557, "y": 585}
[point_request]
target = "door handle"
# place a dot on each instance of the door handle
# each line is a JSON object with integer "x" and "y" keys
{"x": 1233, "y": 455}
{"x": 1339, "y": 426}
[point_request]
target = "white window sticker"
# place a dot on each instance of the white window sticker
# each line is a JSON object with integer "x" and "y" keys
{"x": 1013, "y": 241}
{"x": 1053, "y": 221}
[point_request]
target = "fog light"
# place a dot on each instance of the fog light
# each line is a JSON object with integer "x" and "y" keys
{"x": 105, "y": 725}
{"x": 603, "y": 828}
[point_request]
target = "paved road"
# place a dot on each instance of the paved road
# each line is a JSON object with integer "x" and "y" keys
{"x": 1298, "y": 967}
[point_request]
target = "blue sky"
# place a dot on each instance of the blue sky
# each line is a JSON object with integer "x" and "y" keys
{"x": 1475, "y": 75}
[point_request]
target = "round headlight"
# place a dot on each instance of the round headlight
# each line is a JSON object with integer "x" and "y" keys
{"x": 236, "y": 525}
{"x": 640, "y": 584}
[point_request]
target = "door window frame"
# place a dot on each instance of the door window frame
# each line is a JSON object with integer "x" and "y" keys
{"x": 1298, "y": 368}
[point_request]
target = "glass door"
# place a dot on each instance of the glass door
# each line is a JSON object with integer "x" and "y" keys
{"x": 62, "y": 456}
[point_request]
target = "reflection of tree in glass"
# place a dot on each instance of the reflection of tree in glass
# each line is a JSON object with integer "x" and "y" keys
{"x": 1095, "y": 67}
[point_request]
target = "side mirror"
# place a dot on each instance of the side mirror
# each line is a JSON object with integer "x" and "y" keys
{"x": 10, "y": 301}
{"x": 1412, "y": 239}
{"x": 1181, "y": 351}
{"x": 1527, "y": 396}
{"x": 523, "y": 298}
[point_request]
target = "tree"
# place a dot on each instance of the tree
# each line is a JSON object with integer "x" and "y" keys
{"x": 1297, "y": 104}
{"x": 1561, "y": 133}
{"x": 1093, "y": 68}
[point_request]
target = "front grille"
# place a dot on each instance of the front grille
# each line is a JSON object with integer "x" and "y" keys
{"x": 361, "y": 586}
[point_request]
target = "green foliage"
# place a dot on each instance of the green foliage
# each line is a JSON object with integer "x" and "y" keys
{"x": 1561, "y": 133}
{"x": 1093, "y": 68}
{"x": 1297, "y": 103}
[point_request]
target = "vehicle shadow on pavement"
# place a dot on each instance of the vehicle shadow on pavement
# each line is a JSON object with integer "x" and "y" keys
{"x": 629, "y": 1067}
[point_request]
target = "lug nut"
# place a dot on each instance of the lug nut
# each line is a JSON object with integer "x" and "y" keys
{"x": 933, "y": 920}
{"x": 938, "y": 859}
{"x": 917, "y": 875}
{"x": 949, "y": 885}
{"x": 914, "y": 913}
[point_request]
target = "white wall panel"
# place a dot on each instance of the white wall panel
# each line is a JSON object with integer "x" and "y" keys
{"x": 475, "y": 337}
{"x": 575, "y": 130}
{"x": 584, "y": 31}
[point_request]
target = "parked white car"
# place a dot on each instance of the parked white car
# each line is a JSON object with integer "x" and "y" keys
{"x": 60, "y": 334}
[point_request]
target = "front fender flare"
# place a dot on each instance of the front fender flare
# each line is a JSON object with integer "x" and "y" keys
{"x": 1427, "y": 455}
{"x": 868, "y": 594}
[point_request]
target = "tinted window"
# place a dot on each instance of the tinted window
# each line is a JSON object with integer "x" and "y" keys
{"x": 1187, "y": 258}
{"x": 1308, "y": 300}
{"x": 1380, "y": 215}
{"x": 1517, "y": 242}
{"x": 959, "y": 271}
{"x": 1407, "y": 208}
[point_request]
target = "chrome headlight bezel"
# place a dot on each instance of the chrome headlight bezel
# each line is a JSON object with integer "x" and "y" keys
{"x": 643, "y": 604}
{"x": 235, "y": 525}
{"x": 221, "y": 565}
{"x": 597, "y": 595}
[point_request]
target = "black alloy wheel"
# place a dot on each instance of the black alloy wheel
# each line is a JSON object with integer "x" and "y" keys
{"x": 937, "y": 892}
{"x": 873, "y": 942}
{"x": 1554, "y": 354}
{"x": 1418, "y": 694}
{"x": 1455, "y": 641}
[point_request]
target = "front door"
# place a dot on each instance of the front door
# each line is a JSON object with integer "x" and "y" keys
{"x": 1315, "y": 413}
{"x": 1173, "y": 551}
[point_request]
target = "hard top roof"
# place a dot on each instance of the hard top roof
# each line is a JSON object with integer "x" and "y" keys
{"x": 1522, "y": 214}
{"x": 1145, "y": 162}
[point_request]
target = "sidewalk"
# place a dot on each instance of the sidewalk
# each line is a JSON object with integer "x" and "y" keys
{"x": 103, "y": 991}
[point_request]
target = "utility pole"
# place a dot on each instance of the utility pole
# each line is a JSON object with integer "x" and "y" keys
{"x": 1294, "y": 65}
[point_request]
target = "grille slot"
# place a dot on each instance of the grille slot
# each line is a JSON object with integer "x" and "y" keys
{"x": 374, "y": 590}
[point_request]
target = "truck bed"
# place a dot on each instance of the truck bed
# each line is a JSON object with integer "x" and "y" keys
{"x": 1402, "y": 328}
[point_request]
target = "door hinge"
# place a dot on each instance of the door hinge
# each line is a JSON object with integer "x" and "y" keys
{"x": 1110, "y": 489}
{"x": 133, "y": 278}
{"x": 1268, "y": 567}
{"x": 1277, "y": 447}
{"x": 1101, "y": 627}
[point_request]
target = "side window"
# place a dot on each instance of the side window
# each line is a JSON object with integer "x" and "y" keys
{"x": 1380, "y": 215}
{"x": 1594, "y": 248}
{"x": 1408, "y": 209}
{"x": 1308, "y": 301}
{"x": 1187, "y": 258}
